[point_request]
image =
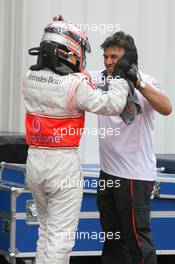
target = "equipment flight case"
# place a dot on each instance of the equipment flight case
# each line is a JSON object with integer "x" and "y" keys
{"x": 18, "y": 218}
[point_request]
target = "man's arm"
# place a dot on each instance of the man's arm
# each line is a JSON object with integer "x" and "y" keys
{"x": 112, "y": 103}
{"x": 158, "y": 100}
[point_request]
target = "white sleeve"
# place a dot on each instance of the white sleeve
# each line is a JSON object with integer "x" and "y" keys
{"x": 112, "y": 103}
{"x": 155, "y": 84}
{"x": 95, "y": 76}
{"x": 150, "y": 80}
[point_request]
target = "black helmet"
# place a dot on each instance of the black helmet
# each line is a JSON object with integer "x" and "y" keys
{"x": 62, "y": 49}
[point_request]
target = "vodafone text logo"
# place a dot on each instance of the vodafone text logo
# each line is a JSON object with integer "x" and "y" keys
{"x": 36, "y": 125}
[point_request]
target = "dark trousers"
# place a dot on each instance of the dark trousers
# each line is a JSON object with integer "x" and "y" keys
{"x": 124, "y": 207}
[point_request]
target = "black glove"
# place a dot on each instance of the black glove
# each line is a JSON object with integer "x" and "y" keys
{"x": 132, "y": 74}
{"x": 122, "y": 66}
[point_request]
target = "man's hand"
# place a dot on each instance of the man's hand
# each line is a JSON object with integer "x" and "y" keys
{"x": 122, "y": 66}
{"x": 127, "y": 59}
{"x": 132, "y": 74}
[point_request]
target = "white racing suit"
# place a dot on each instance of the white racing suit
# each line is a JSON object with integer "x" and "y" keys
{"x": 55, "y": 108}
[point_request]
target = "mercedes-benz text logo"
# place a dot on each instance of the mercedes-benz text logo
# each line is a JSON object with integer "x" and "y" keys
{"x": 36, "y": 125}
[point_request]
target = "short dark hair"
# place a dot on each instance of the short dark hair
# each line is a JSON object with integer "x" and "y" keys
{"x": 119, "y": 39}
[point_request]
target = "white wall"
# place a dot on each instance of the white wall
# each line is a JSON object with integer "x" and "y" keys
{"x": 150, "y": 22}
